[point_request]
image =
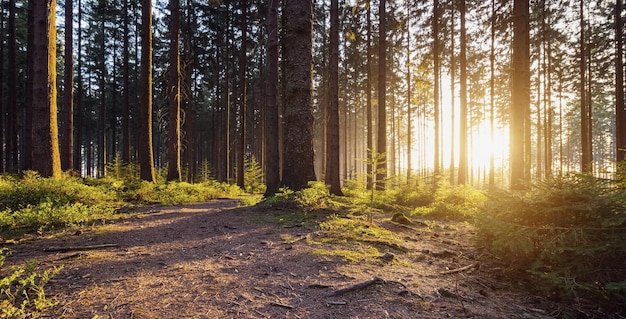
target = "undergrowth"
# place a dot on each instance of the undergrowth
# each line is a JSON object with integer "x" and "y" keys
{"x": 568, "y": 233}
{"x": 22, "y": 293}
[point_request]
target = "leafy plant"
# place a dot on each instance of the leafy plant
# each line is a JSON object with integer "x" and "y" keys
{"x": 253, "y": 177}
{"x": 22, "y": 291}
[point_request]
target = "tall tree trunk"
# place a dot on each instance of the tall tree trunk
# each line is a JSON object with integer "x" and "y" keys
{"x": 298, "y": 162}
{"x": 126, "y": 84}
{"x": 409, "y": 93}
{"x": 102, "y": 123}
{"x": 332, "y": 117}
{"x": 436, "y": 71}
{"x": 67, "y": 152}
{"x": 2, "y": 135}
{"x": 547, "y": 96}
{"x": 381, "y": 168}
{"x": 46, "y": 132}
{"x": 78, "y": 123}
{"x": 452, "y": 99}
{"x": 492, "y": 88}
{"x": 368, "y": 96}
{"x": 190, "y": 118}
{"x": 146, "y": 156}
{"x": 242, "y": 94}
{"x": 173, "y": 124}
{"x": 620, "y": 108}
{"x": 11, "y": 143}
{"x": 272, "y": 160}
{"x": 520, "y": 93}
{"x": 585, "y": 127}
{"x": 463, "y": 113}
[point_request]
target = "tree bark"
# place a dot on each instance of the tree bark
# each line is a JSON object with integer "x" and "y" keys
{"x": 173, "y": 124}
{"x": 46, "y": 137}
{"x": 298, "y": 161}
{"x": 585, "y": 112}
{"x": 381, "y": 167}
{"x": 67, "y": 156}
{"x": 126, "y": 83}
{"x": 242, "y": 95}
{"x": 332, "y": 118}
{"x": 620, "y": 109}
{"x": 463, "y": 112}
{"x": 520, "y": 93}
{"x": 370, "y": 145}
{"x": 146, "y": 156}
{"x": 11, "y": 143}
{"x": 272, "y": 158}
{"x": 436, "y": 75}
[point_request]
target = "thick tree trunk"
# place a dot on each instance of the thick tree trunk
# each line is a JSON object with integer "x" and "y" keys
{"x": 46, "y": 134}
{"x": 520, "y": 93}
{"x": 272, "y": 158}
{"x": 332, "y": 117}
{"x": 146, "y": 156}
{"x": 298, "y": 161}
{"x": 173, "y": 124}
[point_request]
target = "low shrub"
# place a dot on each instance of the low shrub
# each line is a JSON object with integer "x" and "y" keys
{"x": 568, "y": 233}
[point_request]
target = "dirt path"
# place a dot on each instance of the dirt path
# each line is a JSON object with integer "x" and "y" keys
{"x": 218, "y": 260}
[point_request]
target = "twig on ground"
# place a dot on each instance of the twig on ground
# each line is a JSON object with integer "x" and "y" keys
{"x": 278, "y": 304}
{"x": 453, "y": 271}
{"x": 357, "y": 286}
{"x": 74, "y": 248}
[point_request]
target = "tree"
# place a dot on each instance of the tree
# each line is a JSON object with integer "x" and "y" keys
{"x": 242, "y": 95}
{"x": 11, "y": 142}
{"x": 368, "y": 95}
{"x": 520, "y": 93}
{"x": 463, "y": 140}
{"x": 146, "y": 156}
{"x": 298, "y": 162}
{"x": 46, "y": 137}
{"x": 436, "y": 70}
{"x": 67, "y": 151}
{"x": 585, "y": 109}
{"x": 126, "y": 85}
{"x": 272, "y": 157}
{"x": 332, "y": 118}
{"x": 620, "y": 108}
{"x": 173, "y": 141}
{"x": 381, "y": 169}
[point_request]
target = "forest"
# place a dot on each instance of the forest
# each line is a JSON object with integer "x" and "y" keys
{"x": 506, "y": 114}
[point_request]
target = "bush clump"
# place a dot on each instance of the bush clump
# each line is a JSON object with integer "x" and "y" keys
{"x": 568, "y": 233}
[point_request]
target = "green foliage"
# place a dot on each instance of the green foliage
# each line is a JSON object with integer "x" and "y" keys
{"x": 205, "y": 173}
{"x": 22, "y": 289}
{"x": 253, "y": 177}
{"x": 567, "y": 232}
{"x": 459, "y": 202}
{"x": 316, "y": 196}
{"x": 36, "y": 203}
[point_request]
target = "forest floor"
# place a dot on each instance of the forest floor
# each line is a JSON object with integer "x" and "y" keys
{"x": 221, "y": 260}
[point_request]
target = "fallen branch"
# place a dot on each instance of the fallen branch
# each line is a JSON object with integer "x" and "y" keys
{"x": 357, "y": 286}
{"x": 75, "y": 248}
{"x": 281, "y": 305}
{"x": 453, "y": 271}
